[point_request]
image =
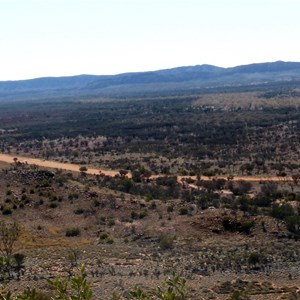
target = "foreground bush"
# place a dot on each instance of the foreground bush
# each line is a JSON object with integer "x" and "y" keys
{"x": 78, "y": 288}
{"x": 172, "y": 289}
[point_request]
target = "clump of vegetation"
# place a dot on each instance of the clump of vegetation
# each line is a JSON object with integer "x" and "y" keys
{"x": 233, "y": 224}
{"x": 183, "y": 211}
{"x": 172, "y": 289}
{"x": 70, "y": 232}
{"x": 53, "y": 205}
{"x": 77, "y": 287}
{"x": 78, "y": 211}
{"x": 6, "y": 210}
{"x": 170, "y": 208}
{"x": 104, "y": 237}
{"x": 138, "y": 214}
{"x": 73, "y": 196}
{"x": 166, "y": 242}
{"x": 10, "y": 261}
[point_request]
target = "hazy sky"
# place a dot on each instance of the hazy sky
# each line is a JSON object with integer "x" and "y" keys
{"x": 71, "y": 37}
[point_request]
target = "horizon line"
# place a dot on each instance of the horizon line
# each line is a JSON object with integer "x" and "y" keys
{"x": 148, "y": 71}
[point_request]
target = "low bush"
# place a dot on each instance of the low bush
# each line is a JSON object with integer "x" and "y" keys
{"x": 72, "y": 232}
{"x": 166, "y": 242}
{"x": 53, "y": 205}
{"x": 183, "y": 211}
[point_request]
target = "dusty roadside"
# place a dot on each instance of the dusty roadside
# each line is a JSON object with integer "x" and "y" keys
{"x": 54, "y": 165}
{"x": 94, "y": 171}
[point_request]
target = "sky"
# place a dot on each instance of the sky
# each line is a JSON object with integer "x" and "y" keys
{"x": 41, "y": 38}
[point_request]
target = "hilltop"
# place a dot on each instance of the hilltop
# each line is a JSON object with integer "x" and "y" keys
{"x": 188, "y": 79}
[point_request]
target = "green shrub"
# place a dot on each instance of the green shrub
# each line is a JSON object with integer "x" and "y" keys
{"x": 103, "y": 235}
{"x": 77, "y": 287}
{"x": 183, "y": 211}
{"x": 7, "y": 210}
{"x": 166, "y": 242}
{"x": 282, "y": 211}
{"x": 293, "y": 224}
{"x": 111, "y": 222}
{"x": 134, "y": 215}
{"x": 262, "y": 200}
{"x": 138, "y": 214}
{"x": 254, "y": 258}
{"x": 78, "y": 211}
{"x": 28, "y": 294}
{"x": 72, "y": 232}
{"x": 170, "y": 208}
{"x": 8, "y": 200}
{"x": 52, "y": 197}
{"x": 96, "y": 203}
{"x": 24, "y": 197}
{"x": 53, "y": 205}
{"x": 234, "y": 224}
{"x": 143, "y": 214}
{"x": 110, "y": 240}
{"x": 172, "y": 289}
{"x": 246, "y": 226}
{"x": 73, "y": 196}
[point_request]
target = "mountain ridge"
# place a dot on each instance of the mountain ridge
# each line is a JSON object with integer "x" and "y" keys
{"x": 184, "y": 77}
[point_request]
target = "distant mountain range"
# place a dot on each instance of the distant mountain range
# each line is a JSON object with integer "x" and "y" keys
{"x": 177, "y": 80}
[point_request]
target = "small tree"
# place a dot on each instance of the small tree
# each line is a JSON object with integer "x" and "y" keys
{"x": 123, "y": 173}
{"x": 293, "y": 224}
{"x": 80, "y": 287}
{"x": 73, "y": 259}
{"x": 9, "y": 234}
{"x": 254, "y": 258}
{"x": 83, "y": 170}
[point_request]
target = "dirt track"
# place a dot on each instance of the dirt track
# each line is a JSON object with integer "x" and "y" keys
{"x": 76, "y": 168}
{"x": 54, "y": 165}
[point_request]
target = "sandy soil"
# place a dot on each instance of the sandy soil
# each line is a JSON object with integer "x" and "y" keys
{"x": 54, "y": 165}
{"x": 76, "y": 168}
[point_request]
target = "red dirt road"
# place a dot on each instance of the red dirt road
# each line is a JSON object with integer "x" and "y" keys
{"x": 94, "y": 171}
{"x": 54, "y": 165}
